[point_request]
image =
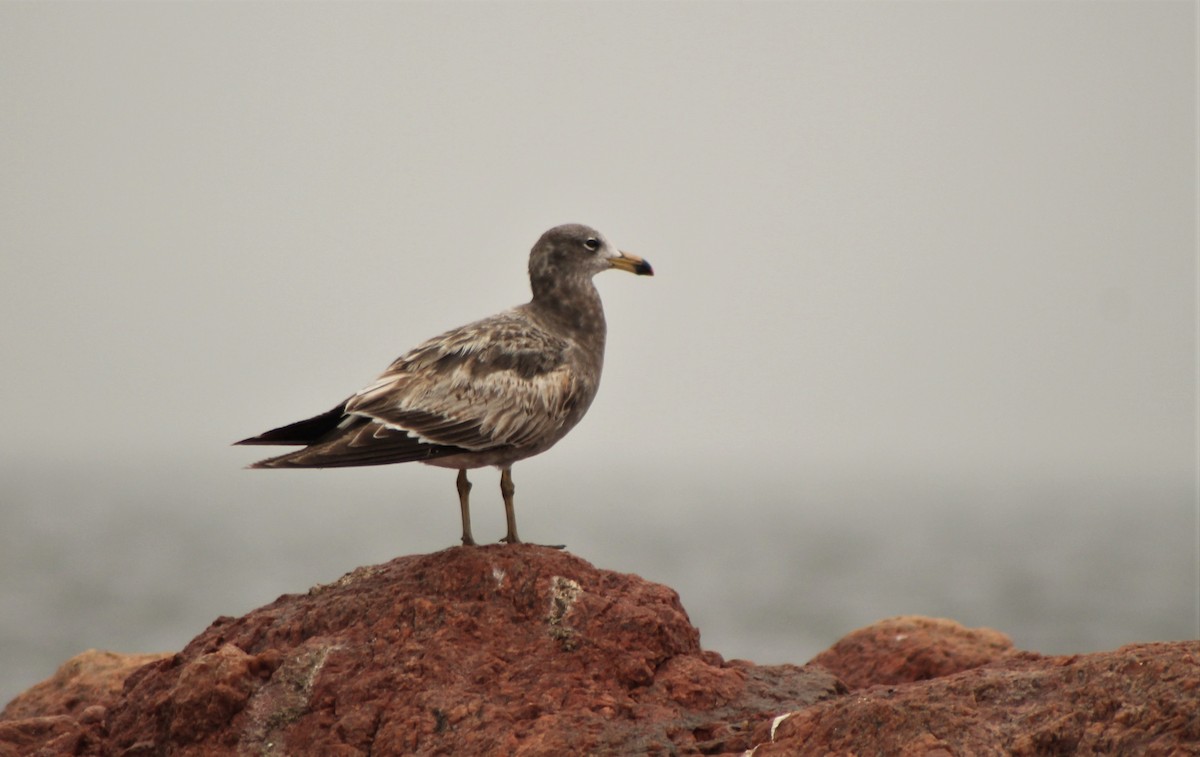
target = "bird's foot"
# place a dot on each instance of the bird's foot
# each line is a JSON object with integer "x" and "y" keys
{"x": 507, "y": 540}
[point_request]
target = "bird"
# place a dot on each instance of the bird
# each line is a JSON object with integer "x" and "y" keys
{"x": 489, "y": 393}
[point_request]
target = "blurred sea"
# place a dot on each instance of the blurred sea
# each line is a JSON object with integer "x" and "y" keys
{"x": 143, "y": 559}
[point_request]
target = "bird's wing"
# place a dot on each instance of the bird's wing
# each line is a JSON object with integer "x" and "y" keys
{"x": 500, "y": 382}
{"x": 359, "y": 441}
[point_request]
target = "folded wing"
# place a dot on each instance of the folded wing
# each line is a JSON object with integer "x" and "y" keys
{"x": 496, "y": 384}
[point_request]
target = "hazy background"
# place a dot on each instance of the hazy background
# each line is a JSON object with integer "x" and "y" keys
{"x": 922, "y": 338}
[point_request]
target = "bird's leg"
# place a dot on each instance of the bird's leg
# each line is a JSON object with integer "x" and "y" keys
{"x": 464, "y": 488}
{"x": 506, "y": 491}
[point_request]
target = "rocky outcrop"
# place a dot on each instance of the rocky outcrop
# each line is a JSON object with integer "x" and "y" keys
{"x": 493, "y": 650}
{"x": 523, "y": 650}
{"x": 1139, "y": 700}
{"x": 911, "y": 648}
{"x": 92, "y": 678}
{"x": 55, "y": 715}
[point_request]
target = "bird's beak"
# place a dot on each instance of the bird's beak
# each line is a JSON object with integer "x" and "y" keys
{"x": 632, "y": 263}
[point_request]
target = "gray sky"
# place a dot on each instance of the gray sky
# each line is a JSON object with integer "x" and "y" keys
{"x": 944, "y": 244}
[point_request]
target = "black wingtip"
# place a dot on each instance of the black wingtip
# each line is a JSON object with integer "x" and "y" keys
{"x": 269, "y": 439}
{"x": 307, "y": 431}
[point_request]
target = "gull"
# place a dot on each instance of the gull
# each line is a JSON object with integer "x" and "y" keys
{"x": 492, "y": 392}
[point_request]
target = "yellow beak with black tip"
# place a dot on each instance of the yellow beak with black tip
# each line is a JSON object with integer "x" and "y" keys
{"x": 632, "y": 263}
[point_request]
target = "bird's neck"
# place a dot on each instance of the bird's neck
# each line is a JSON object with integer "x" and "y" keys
{"x": 573, "y": 304}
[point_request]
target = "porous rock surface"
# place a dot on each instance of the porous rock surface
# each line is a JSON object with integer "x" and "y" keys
{"x": 523, "y": 650}
{"x": 506, "y": 650}
{"x": 53, "y": 716}
{"x": 1141, "y": 700}
{"x": 911, "y": 648}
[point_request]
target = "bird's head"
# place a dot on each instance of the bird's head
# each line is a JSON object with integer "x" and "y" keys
{"x": 574, "y": 251}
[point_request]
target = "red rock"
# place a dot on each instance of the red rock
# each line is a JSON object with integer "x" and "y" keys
{"x": 1137, "y": 700}
{"x": 911, "y": 648}
{"x": 522, "y": 650}
{"x": 472, "y": 651}
{"x": 64, "y": 713}
{"x": 91, "y": 678}
{"x": 50, "y": 735}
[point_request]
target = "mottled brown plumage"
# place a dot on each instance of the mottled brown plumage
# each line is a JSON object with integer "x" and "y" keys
{"x": 489, "y": 393}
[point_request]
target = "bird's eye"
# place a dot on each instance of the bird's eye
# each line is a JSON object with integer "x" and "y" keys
{"x": 592, "y": 243}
